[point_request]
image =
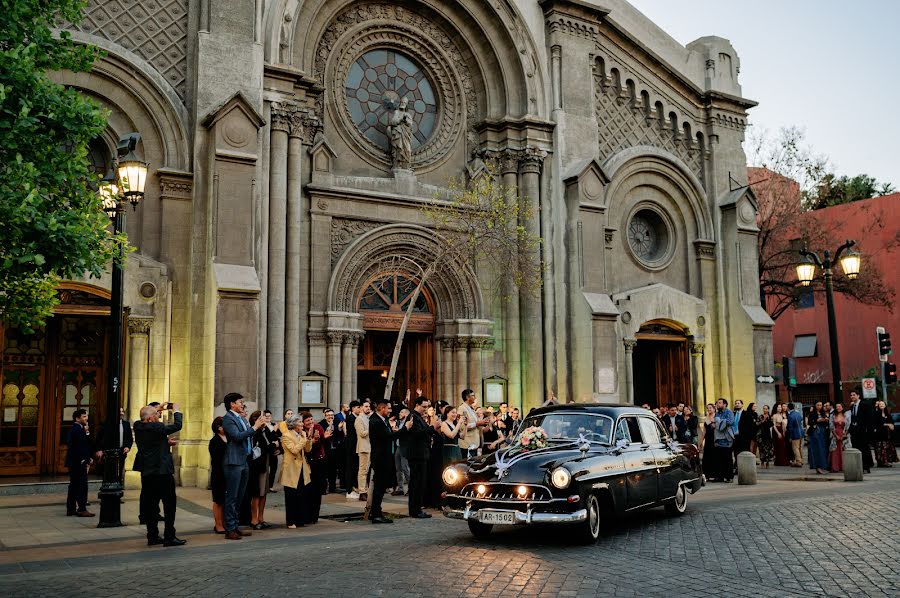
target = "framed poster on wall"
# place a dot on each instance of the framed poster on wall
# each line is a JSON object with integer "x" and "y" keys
{"x": 313, "y": 390}
{"x": 494, "y": 390}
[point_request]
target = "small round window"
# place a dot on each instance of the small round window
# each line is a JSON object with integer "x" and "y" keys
{"x": 376, "y": 83}
{"x": 649, "y": 237}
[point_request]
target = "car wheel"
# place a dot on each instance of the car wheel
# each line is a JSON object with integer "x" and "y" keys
{"x": 589, "y": 529}
{"x": 480, "y": 530}
{"x": 678, "y": 505}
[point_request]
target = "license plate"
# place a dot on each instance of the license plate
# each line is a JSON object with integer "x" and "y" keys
{"x": 497, "y": 517}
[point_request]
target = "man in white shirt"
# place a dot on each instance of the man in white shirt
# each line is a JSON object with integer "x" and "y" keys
{"x": 363, "y": 449}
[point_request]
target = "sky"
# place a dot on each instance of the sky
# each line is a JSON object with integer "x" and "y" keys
{"x": 830, "y": 67}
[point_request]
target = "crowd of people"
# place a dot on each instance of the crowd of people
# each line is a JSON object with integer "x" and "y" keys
{"x": 365, "y": 450}
{"x": 776, "y": 436}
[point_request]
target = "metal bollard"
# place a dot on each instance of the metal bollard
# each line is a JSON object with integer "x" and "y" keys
{"x": 853, "y": 465}
{"x": 746, "y": 468}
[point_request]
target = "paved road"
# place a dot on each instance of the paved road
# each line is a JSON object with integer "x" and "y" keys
{"x": 830, "y": 539}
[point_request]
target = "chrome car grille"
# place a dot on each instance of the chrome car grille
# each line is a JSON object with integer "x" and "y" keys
{"x": 506, "y": 492}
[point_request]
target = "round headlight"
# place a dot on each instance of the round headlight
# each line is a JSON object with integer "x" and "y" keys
{"x": 561, "y": 478}
{"x": 451, "y": 476}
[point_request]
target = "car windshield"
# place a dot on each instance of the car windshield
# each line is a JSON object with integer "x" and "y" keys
{"x": 572, "y": 426}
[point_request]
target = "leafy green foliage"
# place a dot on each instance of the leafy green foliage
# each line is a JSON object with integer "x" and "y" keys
{"x": 51, "y": 221}
{"x": 833, "y": 190}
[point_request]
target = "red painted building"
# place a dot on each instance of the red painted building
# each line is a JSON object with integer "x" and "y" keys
{"x": 802, "y": 330}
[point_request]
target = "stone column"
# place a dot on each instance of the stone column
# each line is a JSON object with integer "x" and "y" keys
{"x": 509, "y": 169}
{"x": 138, "y": 365}
{"x": 438, "y": 372}
{"x": 348, "y": 367}
{"x": 355, "y": 339}
{"x": 275, "y": 318}
{"x": 697, "y": 376}
{"x": 629, "y": 370}
{"x": 292, "y": 313}
{"x": 448, "y": 381}
{"x": 530, "y": 304}
{"x": 335, "y": 340}
{"x": 460, "y": 347}
{"x": 475, "y": 346}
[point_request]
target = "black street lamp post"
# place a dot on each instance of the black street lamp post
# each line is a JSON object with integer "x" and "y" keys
{"x": 126, "y": 184}
{"x": 806, "y": 272}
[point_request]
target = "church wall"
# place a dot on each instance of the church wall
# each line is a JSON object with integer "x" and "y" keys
{"x": 261, "y": 190}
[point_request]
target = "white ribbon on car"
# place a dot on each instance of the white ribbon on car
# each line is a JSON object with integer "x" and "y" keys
{"x": 504, "y": 461}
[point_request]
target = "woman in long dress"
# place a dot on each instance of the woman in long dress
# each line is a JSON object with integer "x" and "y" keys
{"x": 779, "y": 436}
{"x": 451, "y": 429}
{"x": 764, "y": 438}
{"x": 817, "y": 423}
{"x": 836, "y": 450}
{"x": 883, "y": 425}
{"x": 709, "y": 449}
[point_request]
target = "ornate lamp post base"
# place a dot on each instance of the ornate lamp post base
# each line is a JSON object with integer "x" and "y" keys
{"x": 111, "y": 490}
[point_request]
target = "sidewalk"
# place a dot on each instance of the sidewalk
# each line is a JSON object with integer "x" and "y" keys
{"x": 35, "y": 528}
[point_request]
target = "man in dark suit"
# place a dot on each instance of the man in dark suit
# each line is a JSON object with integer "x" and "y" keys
{"x": 860, "y": 422}
{"x": 416, "y": 432}
{"x": 78, "y": 460}
{"x": 382, "y": 433}
{"x": 237, "y": 469}
{"x": 674, "y": 423}
{"x": 350, "y": 447}
{"x": 124, "y": 440}
{"x": 157, "y": 474}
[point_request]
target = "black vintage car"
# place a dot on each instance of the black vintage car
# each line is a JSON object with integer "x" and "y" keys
{"x": 600, "y": 461}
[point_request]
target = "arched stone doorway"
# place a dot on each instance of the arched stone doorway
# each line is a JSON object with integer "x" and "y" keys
{"x": 662, "y": 367}
{"x": 370, "y": 284}
{"x": 383, "y": 304}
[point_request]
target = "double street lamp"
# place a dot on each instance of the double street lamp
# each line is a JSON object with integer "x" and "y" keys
{"x": 124, "y": 183}
{"x": 806, "y": 271}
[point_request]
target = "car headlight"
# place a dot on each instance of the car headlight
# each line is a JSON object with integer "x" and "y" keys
{"x": 561, "y": 477}
{"x": 451, "y": 476}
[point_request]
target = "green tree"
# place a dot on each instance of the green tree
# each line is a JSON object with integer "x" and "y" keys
{"x": 52, "y": 223}
{"x": 833, "y": 190}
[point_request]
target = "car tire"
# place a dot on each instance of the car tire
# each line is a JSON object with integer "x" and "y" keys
{"x": 588, "y": 531}
{"x": 678, "y": 505}
{"x": 480, "y": 530}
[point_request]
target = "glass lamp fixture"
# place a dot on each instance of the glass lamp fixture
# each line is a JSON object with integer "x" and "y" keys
{"x": 109, "y": 194}
{"x": 132, "y": 170}
{"x": 806, "y": 271}
{"x": 850, "y": 263}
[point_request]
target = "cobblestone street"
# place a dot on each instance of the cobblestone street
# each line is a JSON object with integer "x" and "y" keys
{"x": 784, "y": 537}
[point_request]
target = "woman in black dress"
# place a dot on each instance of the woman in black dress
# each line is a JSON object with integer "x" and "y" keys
{"x": 435, "y": 468}
{"x": 882, "y": 427}
{"x": 217, "y": 474}
{"x": 709, "y": 441}
{"x": 258, "y": 484}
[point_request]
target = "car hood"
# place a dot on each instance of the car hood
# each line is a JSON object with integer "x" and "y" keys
{"x": 525, "y": 466}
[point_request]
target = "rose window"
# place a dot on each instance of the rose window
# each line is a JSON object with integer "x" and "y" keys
{"x": 376, "y": 83}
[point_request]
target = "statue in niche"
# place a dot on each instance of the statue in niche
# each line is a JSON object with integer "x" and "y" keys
{"x": 400, "y": 133}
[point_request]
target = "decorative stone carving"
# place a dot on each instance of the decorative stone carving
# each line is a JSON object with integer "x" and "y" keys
{"x": 400, "y": 130}
{"x": 697, "y": 348}
{"x": 344, "y": 231}
{"x": 531, "y": 160}
{"x": 624, "y": 122}
{"x": 630, "y": 344}
{"x": 147, "y": 290}
{"x": 705, "y": 250}
{"x": 138, "y": 325}
{"x": 155, "y": 30}
{"x": 175, "y": 185}
{"x": 282, "y": 116}
{"x": 336, "y": 337}
{"x": 316, "y": 337}
{"x": 364, "y": 26}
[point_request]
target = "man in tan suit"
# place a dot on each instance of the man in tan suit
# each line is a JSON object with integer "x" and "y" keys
{"x": 470, "y": 441}
{"x": 363, "y": 449}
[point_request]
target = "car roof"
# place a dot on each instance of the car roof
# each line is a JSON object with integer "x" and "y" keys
{"x": 611, "y": 409}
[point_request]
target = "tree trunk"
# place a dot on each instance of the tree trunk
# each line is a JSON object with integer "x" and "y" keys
{"x": 399, "y": 344}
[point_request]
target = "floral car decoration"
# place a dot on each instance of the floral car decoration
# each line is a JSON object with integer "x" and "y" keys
{"x": 533, "y": 438}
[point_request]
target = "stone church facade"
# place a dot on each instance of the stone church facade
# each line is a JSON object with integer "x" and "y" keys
{"x": 272, "y": 202}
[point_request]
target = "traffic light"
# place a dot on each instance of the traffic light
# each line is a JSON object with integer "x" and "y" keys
{"x": 789, "y": 372}
{"x": 884, "y": 343}
{"x": 890, "y": 373}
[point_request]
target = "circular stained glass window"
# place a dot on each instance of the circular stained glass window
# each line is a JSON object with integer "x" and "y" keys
{"x": 376, "y": 83}
{"x": 648, "y": 236}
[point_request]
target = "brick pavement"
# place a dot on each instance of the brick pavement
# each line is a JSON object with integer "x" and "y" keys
{"x": 780, "y": 538}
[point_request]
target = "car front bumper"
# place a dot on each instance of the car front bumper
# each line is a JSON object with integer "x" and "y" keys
{"x": 521, "y": 517}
